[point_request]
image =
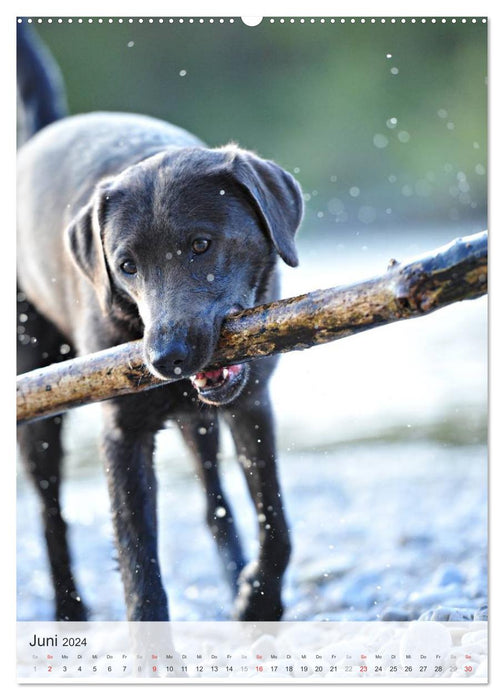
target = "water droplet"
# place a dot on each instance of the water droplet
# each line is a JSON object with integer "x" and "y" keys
{"x": 335, "y": 206}
{"x": 131, "y": 44}
{"x": 169, "y": 256}
{"x": 442, "y": 113}
{"x": 222, "y": 192}
{"x": 380, "y": 141}
{"x": 202, "y": 430}
{"x": 354, "y": 191}
{"x": 391, "y": 122}
{"x": 479, "y": 170}
{"x": 182, "y": 73}
{"x": 394, "y": 70}
{"x": 177, "y": 370}
{"x": 367, "y": 214}
{"x": 403, "y": 136}
{"x": 220, "y": 512}
{"x": 210, "y": 277}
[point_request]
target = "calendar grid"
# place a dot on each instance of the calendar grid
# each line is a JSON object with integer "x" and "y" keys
{"x": 326, "y": 652}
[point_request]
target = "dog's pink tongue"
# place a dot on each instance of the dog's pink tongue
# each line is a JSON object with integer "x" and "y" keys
{"x": 211, "y": 374}
{"x": 217, "y": 373}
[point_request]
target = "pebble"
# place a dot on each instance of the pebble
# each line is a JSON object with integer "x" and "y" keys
{"x": 264, "y": 646}
{"x": 433, "y": 595}
{"x": 352, "y": 595}
{"x": 481, "y": 613}
{"x": 395, "y": 615}
{"x": 446, "y": 574}
{"x": 418, "y": 637}
{"x": 415, "y": 540}
{"x": 479, "y": 587}
{"x": 325, "y": 570}
{"x": 476, "y": 637}
{"x": 461, "y": 614}
{"x": 301, "y": 610}
{"x": 445, "y": 614}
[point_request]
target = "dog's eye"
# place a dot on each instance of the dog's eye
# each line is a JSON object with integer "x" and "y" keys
{"x": 200, "y": 245}
{"x": 129, "y": 267}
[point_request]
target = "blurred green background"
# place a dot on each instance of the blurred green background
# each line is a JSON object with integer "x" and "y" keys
{"x": 384, "y": 125}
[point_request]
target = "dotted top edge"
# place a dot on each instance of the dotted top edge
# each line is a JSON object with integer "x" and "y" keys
{"x": 271, "y": 20}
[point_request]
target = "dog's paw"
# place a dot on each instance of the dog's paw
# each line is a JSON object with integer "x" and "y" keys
{"x": 259, "y": 596}
{"x": 71, "y": 610}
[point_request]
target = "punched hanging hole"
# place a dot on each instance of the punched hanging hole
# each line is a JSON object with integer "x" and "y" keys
{"x": 251, "y": 21}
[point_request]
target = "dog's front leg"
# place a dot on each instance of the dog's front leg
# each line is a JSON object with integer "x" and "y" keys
{"x": 128, "y": 455}
{"x": 251, "y": 424}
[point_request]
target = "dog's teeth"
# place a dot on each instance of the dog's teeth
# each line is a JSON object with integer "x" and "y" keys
{"x": 225, "y": 373}
{"x": 200, "y": 383}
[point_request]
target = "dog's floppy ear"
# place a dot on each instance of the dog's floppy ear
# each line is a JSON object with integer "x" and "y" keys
{"x": 84, "y": 240}
{"x": 277, "y": 198}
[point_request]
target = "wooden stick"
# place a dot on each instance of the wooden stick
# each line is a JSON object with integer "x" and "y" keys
{"x": 453, "y": 273}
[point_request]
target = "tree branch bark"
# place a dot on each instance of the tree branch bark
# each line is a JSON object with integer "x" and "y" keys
{"x": 453, "y": 273}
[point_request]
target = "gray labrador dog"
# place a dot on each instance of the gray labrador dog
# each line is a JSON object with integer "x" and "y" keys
{"x": 129, "y": 227}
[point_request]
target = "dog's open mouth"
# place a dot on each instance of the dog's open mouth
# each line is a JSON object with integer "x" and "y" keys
{"x": 220, "y": 386}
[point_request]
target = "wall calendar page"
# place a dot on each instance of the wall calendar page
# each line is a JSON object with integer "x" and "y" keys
{"x": 252, "y": 349}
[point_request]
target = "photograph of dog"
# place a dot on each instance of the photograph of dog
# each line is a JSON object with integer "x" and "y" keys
{"x": 130, "y": 227}
{"x": 134, "y": 229}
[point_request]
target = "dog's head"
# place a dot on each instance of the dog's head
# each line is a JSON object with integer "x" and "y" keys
{"x": 188, "y": 236}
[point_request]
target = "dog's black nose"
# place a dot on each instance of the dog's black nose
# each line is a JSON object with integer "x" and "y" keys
{"x": 168, "y": 359}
